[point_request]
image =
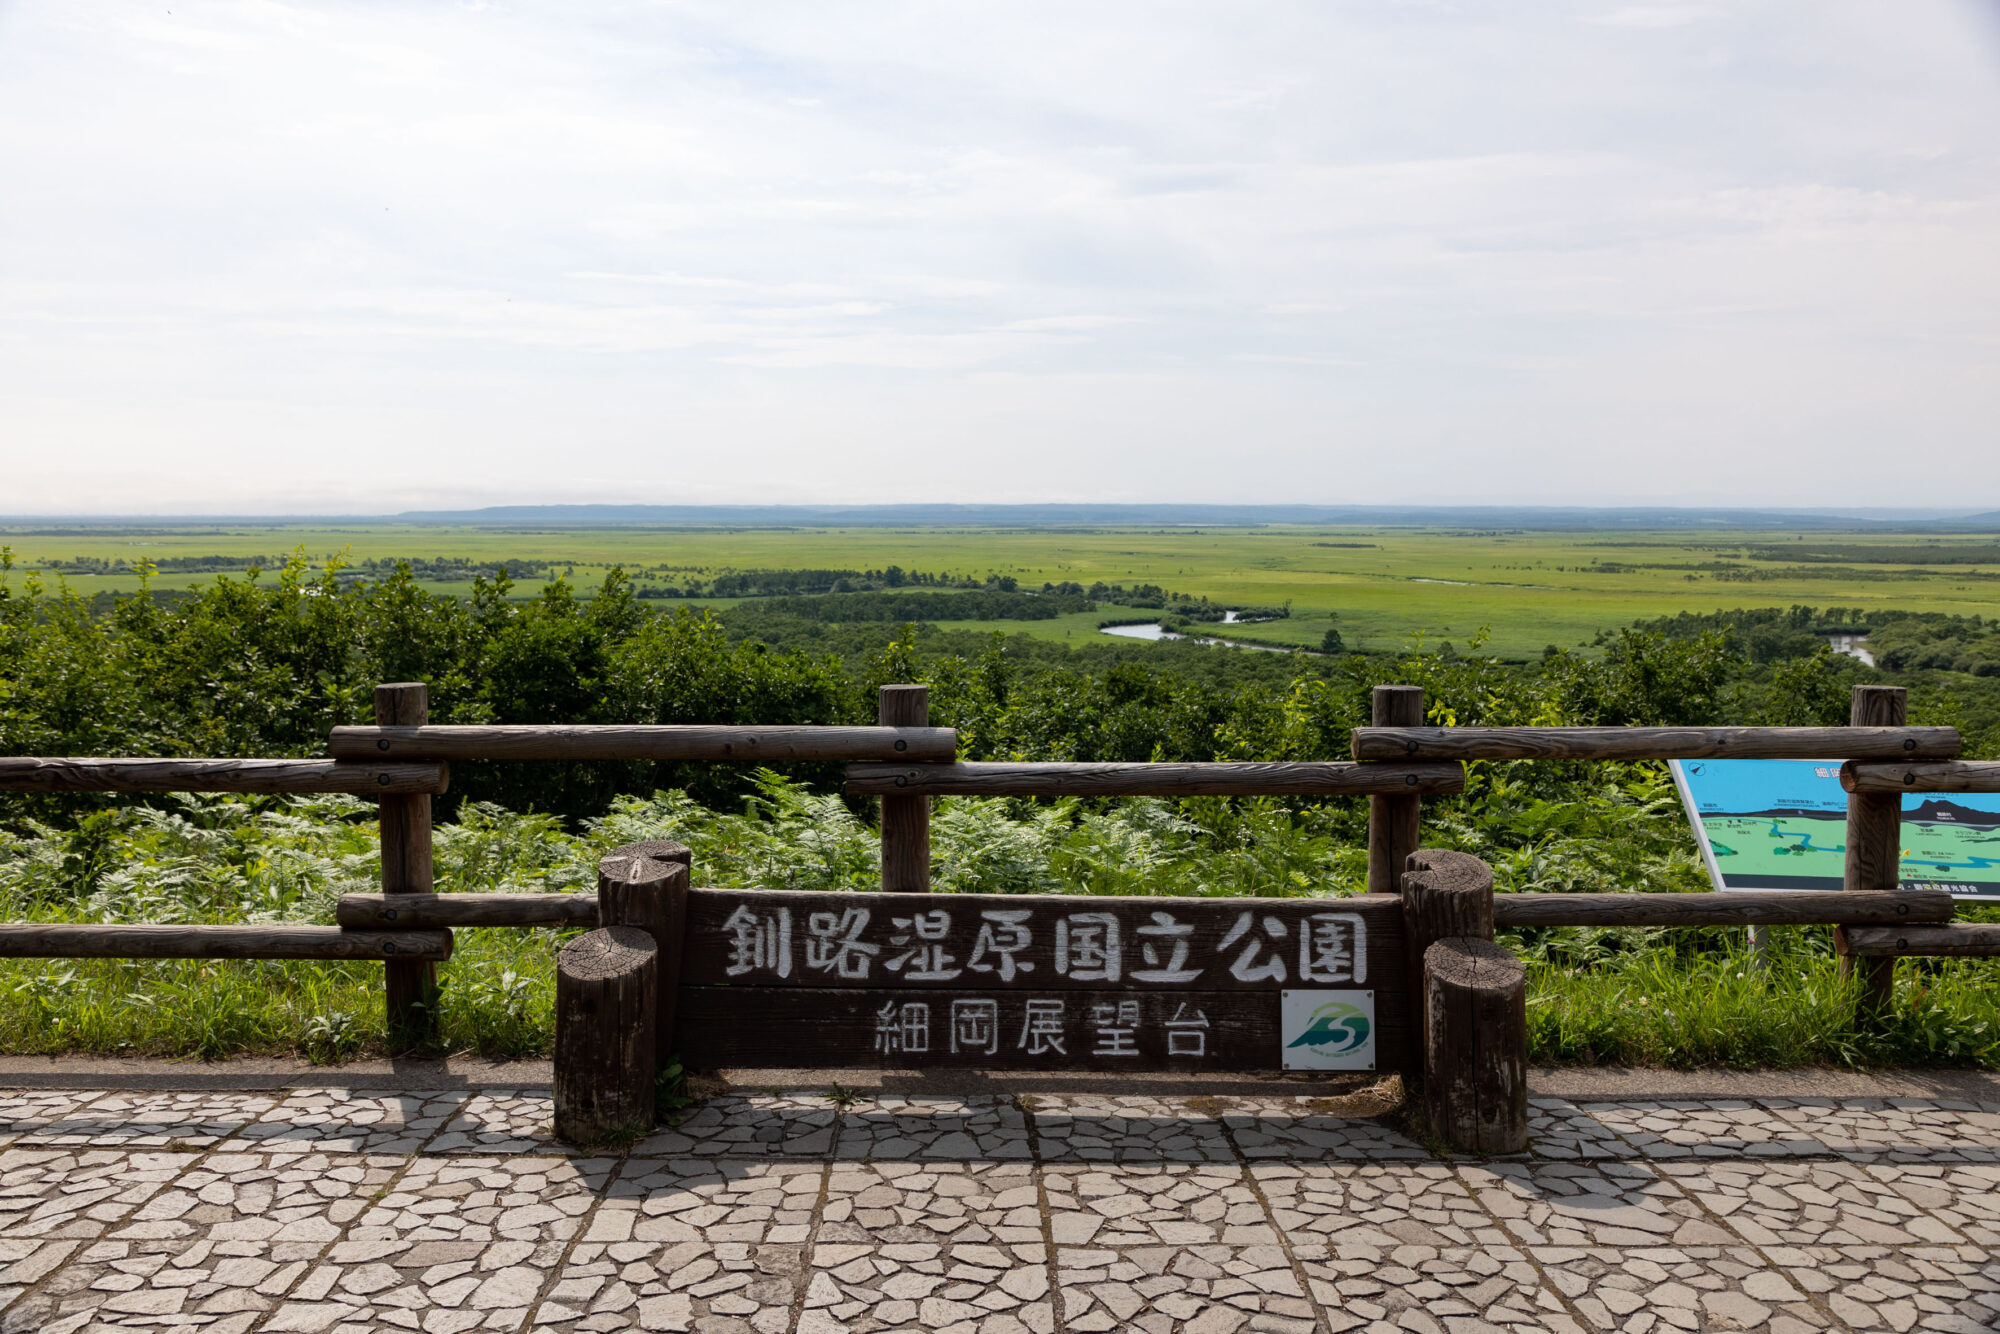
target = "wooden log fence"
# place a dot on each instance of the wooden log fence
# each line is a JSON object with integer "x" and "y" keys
{"x": 100, "y": 940}
{"x": 1962, "y": 939}
{"x": 607, "y": 985}
{"x": 1394, "y": 821}
{"x": 1161, "y": 779}
{"x": 1874, "y": 844}
{"x": 1476, "y": 1045}
{"x": 20, "y": 773}
{"x": 1862, "y": 741}
{"x": 363, "y": 912}
{"x": 1942, "y": 776}
{"x": 1725, "y": 908}
{"x": 711, "y": 745}
{"x": 906, "y": 816}
{"x": 1441, "y": 911}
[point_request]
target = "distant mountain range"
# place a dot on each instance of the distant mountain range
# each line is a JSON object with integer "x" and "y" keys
{"x": 1082, "y": 515}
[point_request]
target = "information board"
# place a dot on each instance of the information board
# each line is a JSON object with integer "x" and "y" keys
{"x": 1782, "y": 824}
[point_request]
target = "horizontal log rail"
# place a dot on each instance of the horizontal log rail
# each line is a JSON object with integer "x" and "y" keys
{"x": 20, "y": 773}
{"x": 1945, "y": 776}
{"x": 1332, "y": 778}
{"x": 109, "y": 941}
{"x": 645, "y": 743}
{"x": 1655, "y": 743}
{"x": 404, "y": 911}
{"x": 726, "y": 745}
{"x": 1962, "y": 939}
{"x": 1723, "y": 908}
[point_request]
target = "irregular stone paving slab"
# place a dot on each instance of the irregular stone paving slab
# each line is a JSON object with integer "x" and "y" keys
{"x": 962, "y": 1287}
{"x": 1089, "y": 1128}
{"x": 989, "y": 1203}
{"x": 1964, "y": 1198}
{"x": 914, "y": 1128}
{"x": 154, "y": 1120}
{"x": 1386, "y": 1287}
{"x": 1952, "y": 1288}
{"x": 1629, "y": 1250}
{"x": 1151, "y": 1204}
{"x": 348, "y": 1121}
{"x": 219, "y": 1248}
{"x": 1807, "y": 1204}
{"x": 747, "y": 1127}
{"x": 24, "y": 1110}
{"x": 714, "y": 1246}
{"x": 1379, "y": 1207}
{"x": 502, "y": 1121}
{"x": 1182, "y": 1290}
{"x": 458, "y": 1244}
{"x": 1896, "y": 1129}
{"x": 52, "y": 1193}
{"x": 1609, "y": 1204}
{"x": 1664, "y": 1288}
{"x": 1566, "y": 1131}
{"x": 1297, "y": 1129}
{"x": 1719, "y": 1129}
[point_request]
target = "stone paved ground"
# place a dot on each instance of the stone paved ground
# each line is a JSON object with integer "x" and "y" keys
{"x": 315, "y": 1210}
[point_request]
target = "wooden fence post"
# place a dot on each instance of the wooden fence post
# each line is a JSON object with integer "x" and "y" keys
{"x": 640, "y": 887}
{"x": 606, "y": 998}
{"x": 1476, "y": 1045}
{"x": 1874, "y": 843}
{"x": 1445, "y": 894}
{"x": 411, "y": 987}
{"x": 1394, "y": 823}
{"x": 906, "y": 821}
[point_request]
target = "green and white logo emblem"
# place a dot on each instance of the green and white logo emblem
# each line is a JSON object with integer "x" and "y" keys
{"x": 1327, "y": 1030}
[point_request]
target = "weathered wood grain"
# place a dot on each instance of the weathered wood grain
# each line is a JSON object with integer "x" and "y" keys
{"x": 659, "y": 849}
{"x": 21, "y": 773}
{"x": 649, "y": 893}
{"x": 1476, "y": 1045}
{"x": 906, "y": 816}
{"x": 1874, "y": 842}
{"x": 605, "y": 1062}
{"x": 1724, "y": 908}
{"x": 835, "y": 1028}
{"x": 410, "y": 989}
{"x": 1943, "y": 776}
{"x": 1874, "y": 742}
{"x": 95, "y": 940}
{"x": 1957, "y": 939}
{"x": 365, "y": 911}
{"x": 1445, "y": 894}
{"x": 739, "y": 745}
{"x": 1304, "y": 779}
{"x": 1395, "y": 822}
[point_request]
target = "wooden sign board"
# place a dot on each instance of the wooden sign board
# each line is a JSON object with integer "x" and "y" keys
{"x": 777, "y": 979}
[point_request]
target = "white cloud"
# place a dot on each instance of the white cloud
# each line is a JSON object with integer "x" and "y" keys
{"x": 1267, "y": 252}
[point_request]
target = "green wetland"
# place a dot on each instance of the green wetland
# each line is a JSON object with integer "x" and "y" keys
{"x": 101, "y": 659}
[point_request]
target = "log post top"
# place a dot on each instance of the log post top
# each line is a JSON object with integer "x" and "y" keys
{"x": 609, "y": 951}
{"x": 1468, "y": 961}
{"x": 642, "y": 864}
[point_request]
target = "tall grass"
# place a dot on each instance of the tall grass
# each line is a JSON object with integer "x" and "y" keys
{"x": 1628, "y": 996}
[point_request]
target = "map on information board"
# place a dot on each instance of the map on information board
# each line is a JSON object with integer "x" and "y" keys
{"x": 1782, "y": 824}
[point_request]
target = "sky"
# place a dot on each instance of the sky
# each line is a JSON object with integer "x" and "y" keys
{"x": 358, "y": 258}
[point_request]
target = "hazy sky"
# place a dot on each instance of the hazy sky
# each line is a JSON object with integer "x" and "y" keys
{"x": 260, "y": 257}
